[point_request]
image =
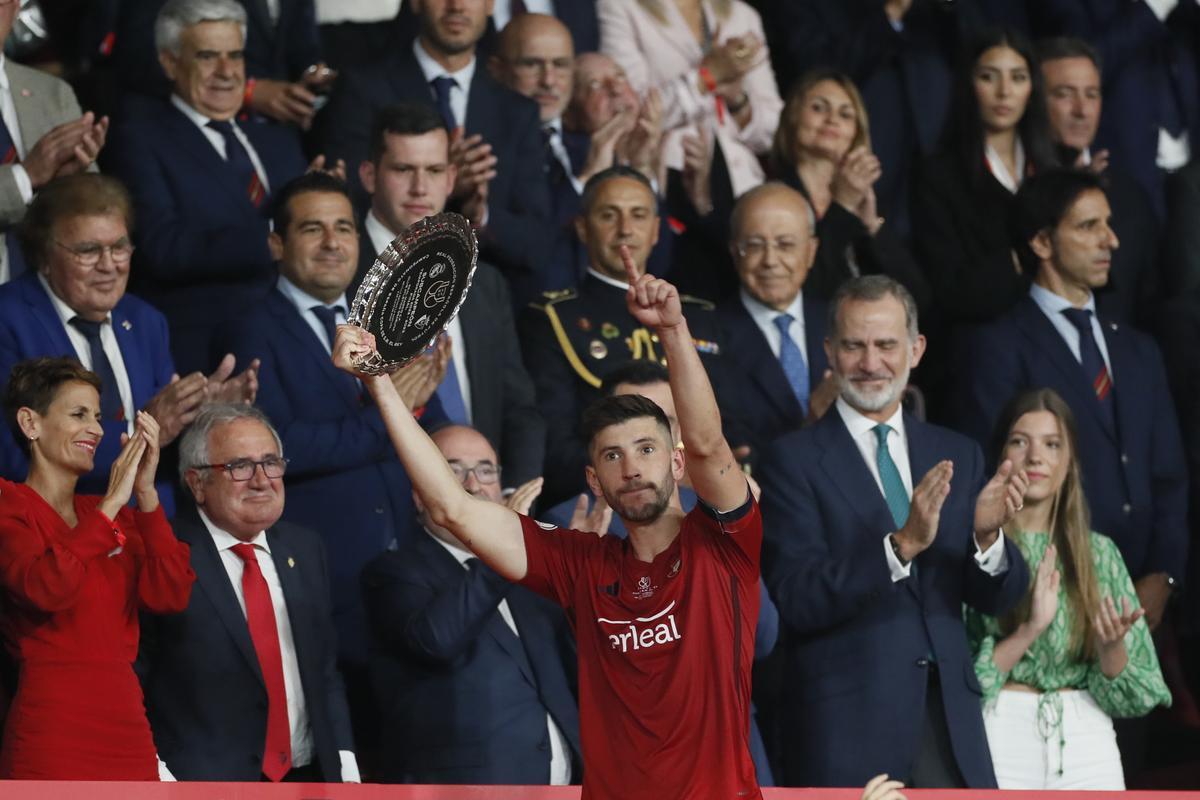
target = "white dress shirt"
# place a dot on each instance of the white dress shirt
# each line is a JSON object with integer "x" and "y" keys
{"x": 1052, "y": 306}
{"x": 303, "y": 301}
{"x": 560, "y": 761}
{"x": 502, "y": 10}
{"x": 458, "y": 95}
{"x": 559, "y": 148}
{"x": 24, "y": 185}
{"x": 1173, "y": 151}
{"x": 302, "y": 740}
{"x": 108, "y": 341}
{"x": 217, "y": 140}
{"x": 993, "y": 561}
{"x": 381, "y": 237}
{"x": 330, "y": 12}
{"x": 600, "y": 276}
{"x": 1000, "y": 172}
{"x": 764, "y": 317}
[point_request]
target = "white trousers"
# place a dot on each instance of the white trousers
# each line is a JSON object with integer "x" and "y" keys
{"x": 1032, "y": 750}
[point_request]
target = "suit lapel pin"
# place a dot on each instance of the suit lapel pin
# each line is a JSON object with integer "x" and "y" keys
{"x": 127, "y": 325}
{"x": 26, "y": 93}
{"x": 291, "y": 562}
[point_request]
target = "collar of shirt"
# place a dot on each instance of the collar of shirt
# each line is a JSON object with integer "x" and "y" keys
{"x": 765, "y": 316}
{"x": 861, "y": 426}
{"x": 1000, "y": 172}
{"x": 1053, "y": 305}
{"x": 198, "y": 119}
{"x": 378, "y": 233}
{"x": 600, "y": 276}
{"x": 225, "y": 540}
{"x": 461, "y": 554}
{"x": 64, "y": 311}
{"x": 3, "y": 73}
{"x": 431, "y": 69}
{"x": 303, "y": 301}
{"x": 556, "y": 126}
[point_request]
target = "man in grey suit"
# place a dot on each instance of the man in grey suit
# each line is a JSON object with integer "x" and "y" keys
{"x": 43, "y": 135}
{"x": 409, "y": 176}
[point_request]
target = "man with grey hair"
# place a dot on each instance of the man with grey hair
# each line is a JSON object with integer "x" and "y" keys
{"x": 201, "y": 180}
{"x": 878, "y": 528}
{"x": 243, "y": 685}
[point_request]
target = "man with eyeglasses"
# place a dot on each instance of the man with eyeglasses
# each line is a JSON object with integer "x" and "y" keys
{"x": 243, "y": 685}
{"x": 73, "y": 302}
{"x": 779, "y": 377}
{"x": 471, "y": 670}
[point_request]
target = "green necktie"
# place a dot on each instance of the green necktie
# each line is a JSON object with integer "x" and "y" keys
{"x": 889, "y": 476}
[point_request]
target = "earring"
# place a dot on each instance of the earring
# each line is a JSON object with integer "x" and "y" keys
{"x": 33, "y": 438}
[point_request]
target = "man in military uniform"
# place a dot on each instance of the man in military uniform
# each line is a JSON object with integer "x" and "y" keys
{"x": 574, "y": 337}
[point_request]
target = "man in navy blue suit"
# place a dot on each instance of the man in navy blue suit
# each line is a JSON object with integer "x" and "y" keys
{"x": 472, "y": 672}
{"x": 73, "y": 303}
{"x": 201, "y": 180}
{"x": 775, "y": 333}
{"x": 243, "y": 685}
{"x": 498, "y": 151}
{"x": 1134, "y": 472}
{"x": 879, "y": 527}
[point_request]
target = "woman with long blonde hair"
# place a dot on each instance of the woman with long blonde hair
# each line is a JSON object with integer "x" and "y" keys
{"x": 1076, "y": 652}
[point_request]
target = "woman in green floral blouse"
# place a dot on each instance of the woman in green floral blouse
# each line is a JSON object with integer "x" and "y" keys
{"x": 1076, "y": 652}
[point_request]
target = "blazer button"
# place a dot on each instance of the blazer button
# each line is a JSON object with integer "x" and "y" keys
{"x": 922, "y": 662}
{"x": 379, "y": 509}
{"x": 1127, "y": 508}
{"x": 1124, "y": 458}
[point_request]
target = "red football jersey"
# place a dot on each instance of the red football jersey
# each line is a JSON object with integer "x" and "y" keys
{"x": 665, "y": 651}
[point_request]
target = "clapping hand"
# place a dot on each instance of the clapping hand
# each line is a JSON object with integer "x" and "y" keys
{"x": 1111, "y": 625}
{"x": 225, "y": 387}
{"x": 1001, "y": 498}
{"x": 595, "y": 521}
{"x": 652, "y": 301}
{"x": 521, "y": 500}
{"x": 1045, "y": 592}
{"x": 881, "y": 788}
{"x": 925, "y": 510}
{"x": 134, "y": 468}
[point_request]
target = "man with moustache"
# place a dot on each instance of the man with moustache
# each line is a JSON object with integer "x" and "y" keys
{"x": 573, "y": 338}
{"x": 1112, "y": 376}
{"x": 879, "y": 527}
{"x": 663, "y": 620}
{"x": 1071, "y": 74}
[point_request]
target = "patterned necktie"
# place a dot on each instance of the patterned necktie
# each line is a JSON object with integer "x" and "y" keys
{"x": 1090, "y": 358}
{"x": 239, "y": 161}
{"x": 260, "y": 618}
{"x": 893, "y": 485}
{"x": 449, "y": 392}
{"x": 792, "y": 361}
{"x": 441, "y": 90}
{"x": 8, "y": 156}
{"x": 328, "y": 318}
{"x": 111, "y": 406}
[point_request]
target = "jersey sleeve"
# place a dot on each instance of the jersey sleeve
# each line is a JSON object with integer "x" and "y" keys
{"x": 555, "y": 558}
{"x": 742, "y": 528}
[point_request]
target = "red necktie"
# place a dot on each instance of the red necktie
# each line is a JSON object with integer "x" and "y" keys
{"x": 260, "y": 616}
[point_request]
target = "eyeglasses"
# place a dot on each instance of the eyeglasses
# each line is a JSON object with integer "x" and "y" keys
{"x": 243, "y": 469}
{"x": 757, "y": 248}
{"x": 485, "y": 471}
{"x": 89, "y": 255}
{"x": 530, "y": 66}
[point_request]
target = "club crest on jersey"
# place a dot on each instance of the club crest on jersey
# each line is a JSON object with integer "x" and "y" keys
{"x": 644, "y": 588}
{"x": 643, "y": 633}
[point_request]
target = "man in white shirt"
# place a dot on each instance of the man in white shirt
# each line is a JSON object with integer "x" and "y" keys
{"x": 243, "y": 685}
{"x": 879, "y": 527}
{"x": 477, "y": 691}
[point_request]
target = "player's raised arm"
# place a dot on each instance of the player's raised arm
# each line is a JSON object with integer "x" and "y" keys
{"x": 714, "y": 471}
{"x": 488, "y": 529}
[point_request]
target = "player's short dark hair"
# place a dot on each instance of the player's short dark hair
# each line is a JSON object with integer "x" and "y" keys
{"x": 634, "y": 373}
{"x": 35, "y": 383}
{"x": 1042, "y": 203}
{"x": 315, "y": 181}
{"x": 1056, "y": 47}
{"x": 603, "y": 176}
{"x": 402, "y": 119}
{"x": 614, "y": 410}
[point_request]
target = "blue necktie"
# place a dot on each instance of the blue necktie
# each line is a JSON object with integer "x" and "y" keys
{"x": 239, "y": 161}
{"x": 8, "y": 155}
{"x": 328, "y": 318}
{"x": 111, "y": 406}
{"x": 1094, "y": 368}
{"x": 893, "y": 486}
{"x": 441, "y": 90}
{"x": 449, "y": 392}
{"x": 792, "y": 361}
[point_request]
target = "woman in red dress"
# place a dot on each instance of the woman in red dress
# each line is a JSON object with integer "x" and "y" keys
{"x": 75, "y": 570}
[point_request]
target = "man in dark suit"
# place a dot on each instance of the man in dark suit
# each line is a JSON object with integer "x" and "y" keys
{"x": 778, "y": 376}
{"x": 573, "y": 338}
{"x": 344, "y": 479}
{"x": 472, "y": 672}
{"x": 1071, "y": 74}
{"x": 498, "y": 152}
{"x": 1112, "y": 376}
{"x": 74, "y": 303}
{"x": 878, "y": 528}
{"x": 408, "y": 176}
{"x": 201, "y": 182}
{"x": 243, "y": 685}
{"x": 578, "y": 15}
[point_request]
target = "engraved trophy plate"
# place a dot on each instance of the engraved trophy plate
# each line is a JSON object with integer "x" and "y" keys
{"x": 413, "y": 290}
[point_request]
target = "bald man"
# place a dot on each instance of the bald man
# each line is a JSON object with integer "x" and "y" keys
{"x": 470, "y": 669}
{"x": 773, "y": 332}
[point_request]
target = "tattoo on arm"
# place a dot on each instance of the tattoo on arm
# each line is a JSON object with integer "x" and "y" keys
{"x": 725, "y": 469}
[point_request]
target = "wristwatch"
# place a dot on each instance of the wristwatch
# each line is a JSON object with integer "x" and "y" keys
{"x": 896, "y": 550}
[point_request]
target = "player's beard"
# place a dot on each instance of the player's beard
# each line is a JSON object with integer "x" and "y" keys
{"x": 647, "y": 511}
